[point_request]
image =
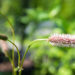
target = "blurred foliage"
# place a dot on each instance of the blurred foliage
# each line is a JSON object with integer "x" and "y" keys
{"x": 34, "y": 19}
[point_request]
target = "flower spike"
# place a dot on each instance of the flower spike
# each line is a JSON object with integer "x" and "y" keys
{"x": 62, "y": 40}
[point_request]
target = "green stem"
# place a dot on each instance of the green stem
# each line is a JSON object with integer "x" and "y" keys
{"x": 13, "y": 33}
{"x": 28, "y": 49}
{"x": 14, "y": 72}
{"x": 20, "y": 72}
{"x": 17, "y": 52}
{"x": 9, "y": 57}
{"x": 12, "y": 29}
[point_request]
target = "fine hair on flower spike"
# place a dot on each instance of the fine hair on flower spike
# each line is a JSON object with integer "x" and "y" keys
{"x": 62, "y": 40}
{"x": 3, "y": 37}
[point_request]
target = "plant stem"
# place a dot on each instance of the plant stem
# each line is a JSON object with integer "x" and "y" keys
{"x": 14, "y": 72}
{"x": 13, "y": 33}
{"x": 27, "y": 51}
{"x": 20, "y": 72}
{"x": 17, "y": 52}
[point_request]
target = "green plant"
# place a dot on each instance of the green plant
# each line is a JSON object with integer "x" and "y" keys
{"x": 5, "y": 38}
{"x": 19, "y": 67}
{"x": 58, "y": 40}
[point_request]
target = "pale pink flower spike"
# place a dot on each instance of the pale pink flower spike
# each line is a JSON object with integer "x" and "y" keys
{"x": 62, "y": 40}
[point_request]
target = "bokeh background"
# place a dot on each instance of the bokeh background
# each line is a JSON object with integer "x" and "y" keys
{"x": 34, "y": 19}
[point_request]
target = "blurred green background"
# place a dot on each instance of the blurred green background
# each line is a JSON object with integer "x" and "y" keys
{"x": 34, "y": 19}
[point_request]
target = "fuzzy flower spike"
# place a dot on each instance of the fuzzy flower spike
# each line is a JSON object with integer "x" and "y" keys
{"x": 62, "y": 40}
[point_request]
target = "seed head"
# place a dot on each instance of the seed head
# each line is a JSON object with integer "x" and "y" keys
{"x": 3, "y": 37}
{"x": 62, "y": 40}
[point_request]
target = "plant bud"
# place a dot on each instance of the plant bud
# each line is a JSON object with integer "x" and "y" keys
{"x": 3, "y": 37}
{"x": 62, "y": 40}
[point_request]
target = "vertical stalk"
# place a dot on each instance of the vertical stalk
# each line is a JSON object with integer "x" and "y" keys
{"x": 13, "y": 33}
{"x": 20, "y": 72}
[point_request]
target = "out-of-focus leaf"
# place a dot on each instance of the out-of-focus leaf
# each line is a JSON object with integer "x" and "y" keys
{"x": 54, "y": 12}
{"x": 64, "y": 71}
